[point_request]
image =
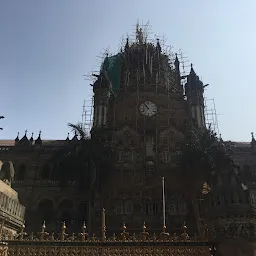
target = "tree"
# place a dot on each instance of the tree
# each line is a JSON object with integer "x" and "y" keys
{"x": 1, "y": 117}
{"x": 94, "y": 156}
{"x": 201, "y": 156}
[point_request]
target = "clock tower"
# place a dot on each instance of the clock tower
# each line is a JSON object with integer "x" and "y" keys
{"x": 145, "y": 115}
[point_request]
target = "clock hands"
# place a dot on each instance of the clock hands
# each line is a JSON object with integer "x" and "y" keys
{"x": 146, "y": 106}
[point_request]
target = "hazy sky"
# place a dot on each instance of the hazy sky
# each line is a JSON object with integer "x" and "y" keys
{"x": 46, "y": 46}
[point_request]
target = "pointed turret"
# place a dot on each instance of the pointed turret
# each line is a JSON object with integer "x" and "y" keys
{"x": 38, "y": 141}
{"x": 24, "y": 140}
{"x": 194, "y": 91}
{"x": 253, "y": 142}
{"x": 126, "y": 48}
{"x": 17, "y": 139}
{"x": 75, "y": 138}
{"x": 31, "y": 140}
{"x": 177, "y": 64}
{"x": 67, "y": 139}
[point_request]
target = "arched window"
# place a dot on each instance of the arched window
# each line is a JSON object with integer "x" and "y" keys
{"x": 118, "y": 207}
{"x": 166, "y": 156}
{"x": 21, "y": 173}
{"x": 151, "y": 208}
{"x": 128, "y": 207}
{"x": 66, "y": 208}
{"x": 46, "y": 172}
{"x": 45, "y": 210}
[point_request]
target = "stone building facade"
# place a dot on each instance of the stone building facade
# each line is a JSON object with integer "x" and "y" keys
{"x": 142, "y": 108}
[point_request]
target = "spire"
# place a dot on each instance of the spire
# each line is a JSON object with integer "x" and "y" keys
{"x": 177, "y": 63}
{"x": 17, "y": 139}
{"x": 75, "y": 137}
{"x": 38, "y": 141}
{"x": 158, "y": 47}
{"x": 253, "y": 141}
{"x": 192, "y": 71}
{"x": 67, "y": 139}
{"x": 31, "y": 139}
{"x": 126, "y": 48}
{"x": 24, "y": 140}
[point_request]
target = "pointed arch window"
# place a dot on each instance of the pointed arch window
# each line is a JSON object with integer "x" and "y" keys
{"x": 46, "y": 172}
{"x": 21, "y": 174}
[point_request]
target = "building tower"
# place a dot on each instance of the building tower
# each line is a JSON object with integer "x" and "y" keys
{"x": 101, "y": 89}
{"x": 194, "y": 91}
{"x": 139, "y": 104}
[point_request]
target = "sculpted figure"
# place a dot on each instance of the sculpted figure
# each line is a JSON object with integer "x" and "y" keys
{"x": 7, "y": 172}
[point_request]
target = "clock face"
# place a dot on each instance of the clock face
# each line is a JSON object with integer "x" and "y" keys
{"x": 148, "y": 108}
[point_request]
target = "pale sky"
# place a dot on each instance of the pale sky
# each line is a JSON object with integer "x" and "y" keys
{"x": 46, "y": 46}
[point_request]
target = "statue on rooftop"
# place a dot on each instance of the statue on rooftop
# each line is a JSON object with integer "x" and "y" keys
{"x": 7, "y": 172}
{"x": 139, "y": 34}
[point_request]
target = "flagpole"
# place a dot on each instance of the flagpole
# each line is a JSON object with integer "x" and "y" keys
{"x": 163, "y": 202}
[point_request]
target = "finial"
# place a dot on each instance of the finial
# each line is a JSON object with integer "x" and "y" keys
{"x": 63, "y": 231}
{"x": 17, "y": 138}
{"x": 43, "y": 226}
{"x": 26, "y": 132}
{"x": 22, "y": 233}
{"x": 43, "y": 233}
{"x": 64, "y": 226}
{"x": 184, "y": 228}
{"x": 123, "y": 227}
{"x": 84, "y": 226}
{"x": 124, "y": 233}
{"x": 164, "y": 234}
{"x": 31, "y": 139}
{"x": 84, "y": 234}
{"x": 144, "y": 226}
{"x": 252, "y": 135}
{"x": 191, "y": 65}
{"x": 185, "y": 235}
{"x": 164, "y": 229}
{"x": 40, "y": 132}
{"x": 144, "y": 232}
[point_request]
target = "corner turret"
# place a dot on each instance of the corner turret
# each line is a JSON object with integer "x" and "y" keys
{"x": 194, "y": 91}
